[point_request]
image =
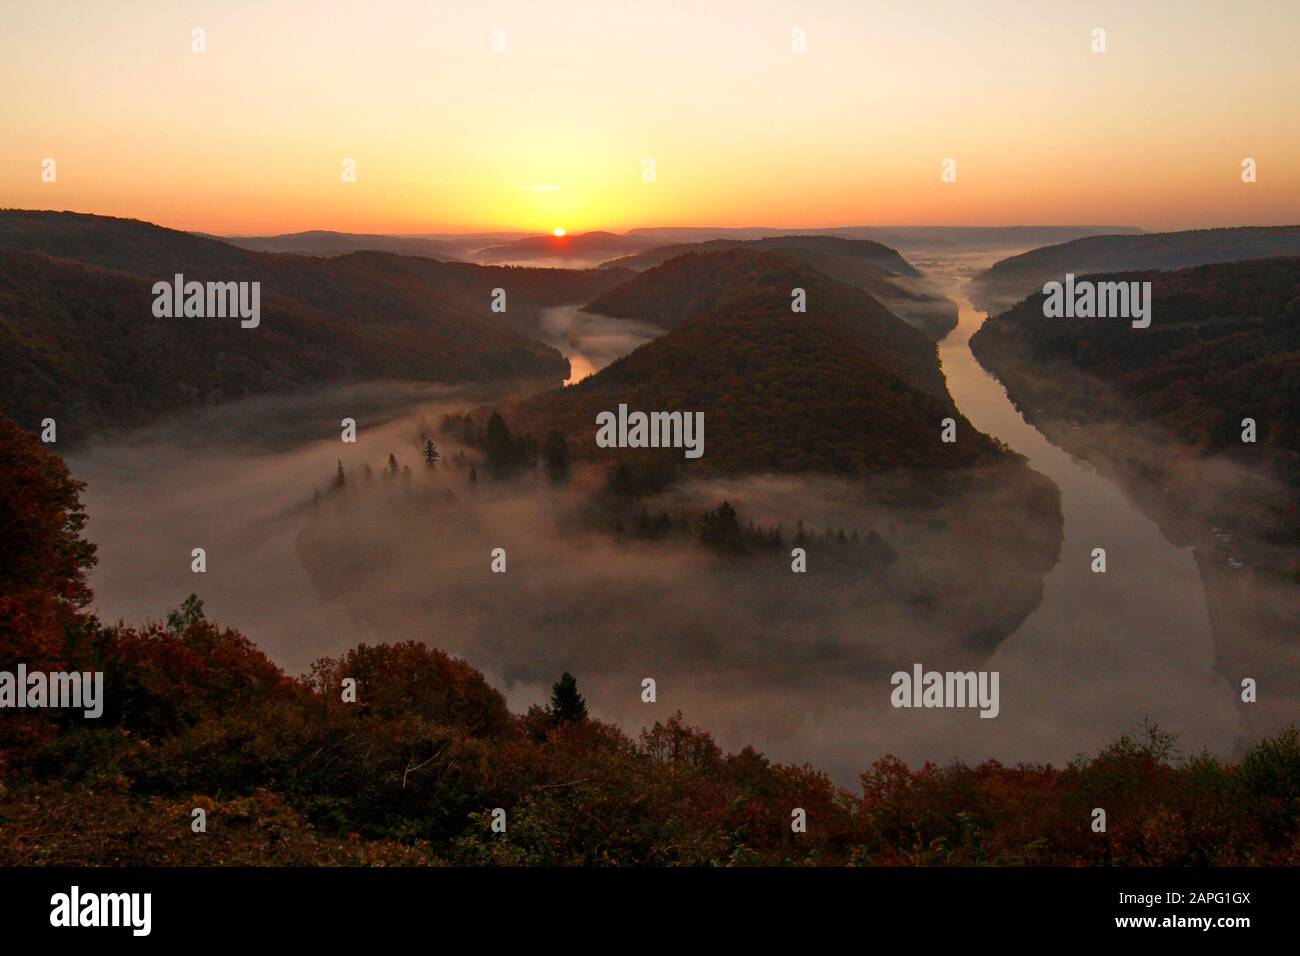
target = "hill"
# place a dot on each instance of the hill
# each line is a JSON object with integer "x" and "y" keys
{"x": 1224, "y": 341}
{"x": 866, "y": 265}
{"x": 587, "y": 246}
{"x": 845, "y": 387}
{"x": 1162, "y": 410}
{"x": 320, "y": 242}
{"x": 79, "y": 341}
{"x": 1010, "y": 280}
{"x": 908, "y": 238}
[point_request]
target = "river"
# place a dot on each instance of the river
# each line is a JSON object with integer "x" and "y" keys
{"x": 1103, "y": 651}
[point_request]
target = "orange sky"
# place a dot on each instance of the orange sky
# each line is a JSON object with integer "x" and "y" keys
{"x": 449, "y": 135}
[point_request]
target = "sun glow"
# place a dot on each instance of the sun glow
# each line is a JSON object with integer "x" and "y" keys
{"x": 558, "y": 232}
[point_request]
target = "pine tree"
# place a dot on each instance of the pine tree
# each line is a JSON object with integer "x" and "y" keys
{"x": 339, "y": 479}
{"x": 566, "y": 703}
{"x": 555, "y": 452}
{"x": 473, "y": 475}
{"x": 499, "y": 445}
{"x": 720, "y": 529}
{"x": 392, "y": 464}
{"x": 430, "y": 454}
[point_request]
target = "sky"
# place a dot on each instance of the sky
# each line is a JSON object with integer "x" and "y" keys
{"x": 553, "y": 131}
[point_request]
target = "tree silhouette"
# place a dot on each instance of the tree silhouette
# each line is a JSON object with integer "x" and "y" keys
{"x": 392, "y": 464}
{"x": 499, "y": 445}
{"x": 566, "y": 703}
{"x": 555, "y": 452}
{"x": 339, "y": 479}
{"x": 430, "y": 454}
{"x": 720, "y": 529}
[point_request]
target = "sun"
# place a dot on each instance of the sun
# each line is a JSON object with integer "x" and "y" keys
{"x": 558, "y": 232}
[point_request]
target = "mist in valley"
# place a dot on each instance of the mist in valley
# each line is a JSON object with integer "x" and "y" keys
{"x": 798, "y": 665}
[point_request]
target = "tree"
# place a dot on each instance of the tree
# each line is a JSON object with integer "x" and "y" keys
{"x": 555, "y": 452}
{"x": 566, "y": 703}
{"x": 430, "y": 454}
{"x": 43, "y": 558}
{"x": 339, "y": 478}
{"x": 392, "y": 464}
{"x": 190, "y": 613}
{"x": 473, "y": 475}
{"x": 720, "y": 529}
{"x": 41, "y": 519}
{"x": 498, "y": 445}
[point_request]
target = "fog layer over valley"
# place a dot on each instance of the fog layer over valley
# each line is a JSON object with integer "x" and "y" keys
{"x": 590, "y": 341}
{"x": 965, "y": 573}
{"x": 798, "y": 665}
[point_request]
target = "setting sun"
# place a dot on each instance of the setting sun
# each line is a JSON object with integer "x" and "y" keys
{"x": 558, "y": 232}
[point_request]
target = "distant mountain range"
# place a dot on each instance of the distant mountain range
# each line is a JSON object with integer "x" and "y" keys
{"x": 79, "y": 341}
{"x": 323, "y": 243}
{"x": 903, "y": 238}
{"x": 587, "y": 246}
{"x": 597, "y": 246}
{"x": 867, "y": 265}
{"x": 843, "y": 388}
{"x": 1010, "y": 280}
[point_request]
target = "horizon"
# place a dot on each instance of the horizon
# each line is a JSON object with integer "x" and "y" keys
{"x": 700, "y": 227}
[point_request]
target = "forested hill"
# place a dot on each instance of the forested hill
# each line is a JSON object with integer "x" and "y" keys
{"x": 1010, "y": 280}
{"x": 866, "y": 265}
{"x": 1224, "y": 343}
{"x": 79, "y": 341}
{"x": 843, "y": 387}
{"x": 888, "y": 261}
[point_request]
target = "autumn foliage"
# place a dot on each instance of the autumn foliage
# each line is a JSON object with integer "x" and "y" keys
{"x": 291, "y": 773}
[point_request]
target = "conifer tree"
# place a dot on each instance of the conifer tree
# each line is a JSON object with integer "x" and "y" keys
{"x": 555, "y": 453}
{"x": 566, "y": 703}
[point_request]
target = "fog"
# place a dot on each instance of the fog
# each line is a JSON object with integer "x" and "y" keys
{"x": 590, "y": 341}
{"x": 797, "y": 665}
